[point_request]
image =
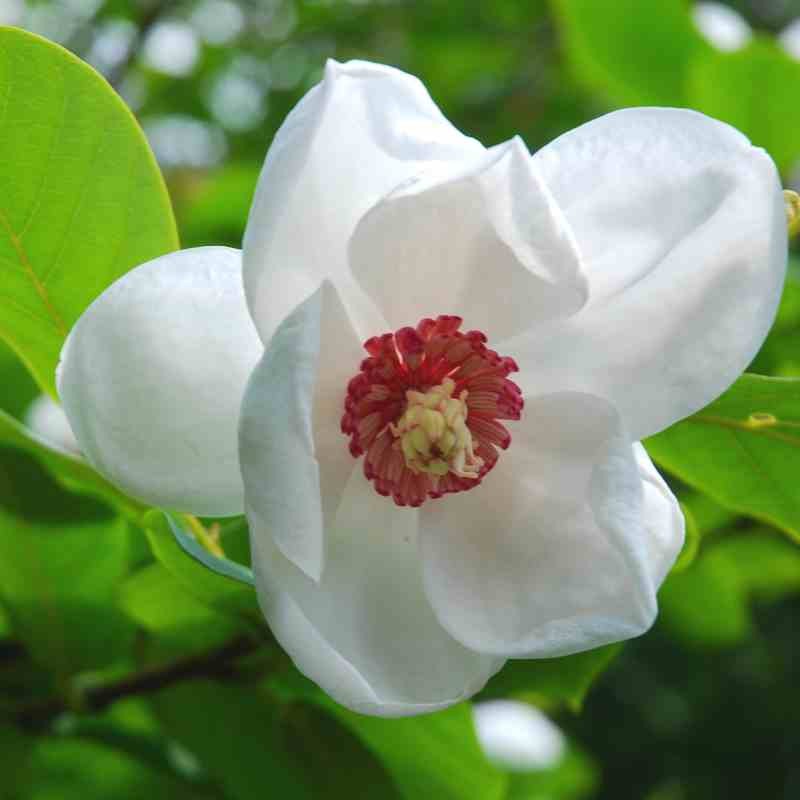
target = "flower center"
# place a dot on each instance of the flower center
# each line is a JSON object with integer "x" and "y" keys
{"x": 424, "y": 410}
{"x": 433, "y": 433}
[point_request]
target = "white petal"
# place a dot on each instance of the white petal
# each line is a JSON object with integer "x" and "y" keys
{"x": 352, "y": 138}
{"x": 152, "y": 376}
{"x": 481, "y": 239}
{"x": 662, "y": 516}
{"x": 47, "y": 419}
{"x": 682, "y": 231}
{"x": 516, "y": 736}
{"x": 366, "y": 633}
{"x": 552, "y": 554}
{"x": 295, "y": 459}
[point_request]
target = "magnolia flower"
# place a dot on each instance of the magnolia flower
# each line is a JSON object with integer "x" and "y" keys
{"x": 445, "y": 357}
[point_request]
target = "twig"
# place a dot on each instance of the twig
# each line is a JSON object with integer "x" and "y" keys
{"x": 93, "y": 699}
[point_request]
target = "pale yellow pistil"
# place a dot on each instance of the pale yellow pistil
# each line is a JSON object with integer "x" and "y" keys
{"x": 792, "y": 200}
{"x": 433, "y": 433}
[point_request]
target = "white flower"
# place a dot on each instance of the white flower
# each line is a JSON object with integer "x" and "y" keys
{"x": 516, "y": 736}
{"x": 625, "y": 274}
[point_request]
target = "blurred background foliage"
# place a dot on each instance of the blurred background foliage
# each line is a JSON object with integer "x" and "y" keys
{"x": 705, "y": 706}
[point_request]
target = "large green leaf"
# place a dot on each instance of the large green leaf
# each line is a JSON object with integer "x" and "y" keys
{"x": 81, "y": 198}
{"x": 70, "y": 470}
{"x": 755, "y": 90}
{"x": 236, "y": 734}
{"x": 64, "y": 768}
{"x": 709, "y": 603}
{"x": 634, "y": 55}
{"x": 572, "y": 779}
{"x": 445, "y": 760}
{"x": 61, "y": 560}
{"x": 743, "y": 450}
{"x": 154, "y": 599}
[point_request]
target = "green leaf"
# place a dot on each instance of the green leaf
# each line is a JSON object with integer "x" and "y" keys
{"x": 82, "y": 200}
{"x": 704, "y": 605}
{"x": 755, "y": 90}
{"x": 70, "y": 470}
{"x": 445, "y": 761}
{"x": 636, "y": 56}
{"x": 59, "y": 571}
{"x": 709, "y": 604}
{"x": 574, "y": 778}
{"x": 211, "y": 586}
{"x": 236, "y": 735}
{"x": 743, "y": 450}
{"x": 65, "y": 768}
{"x": 154, "y": 599}
{"x": 691, "y": 542}
{"x": 552, "y": 681}
{"x": 15, "y": 752}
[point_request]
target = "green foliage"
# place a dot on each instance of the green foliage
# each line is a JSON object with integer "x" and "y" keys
{"x": 640, "y": 58}
{"x": 754, "y": 90}
{"x": 572, "y": 779}
{"x": 656, "y": 56}
{"x": 96, "y": 589}
{"x": 60, "y": 563}
{"x": 81, "y": 200}
{"x": 222, "y": 566}
{"x": 70, "y": 470}
{"x": 708, "y": 605}
{"x": 446, "y": 761}
{"x": 743, "y": 450}
{"x": 156, "y": 601}
{"x": 243, "y": 751}
{"x": 552, "y": 681}
{"x": 231, "y": 597}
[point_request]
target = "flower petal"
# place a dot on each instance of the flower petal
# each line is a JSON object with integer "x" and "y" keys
{"x": 353, "y": 137}
{"x": 682, "y": 231}
{"x": 482, "y": 239}
{"x": 295, "y": 459}
{"x": 366, "y": 633}
{"x": 152, "y": 375}
{"x": 554, "y": 553}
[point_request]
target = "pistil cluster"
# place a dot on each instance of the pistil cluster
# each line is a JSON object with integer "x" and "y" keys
{"x": 425, "y": 410}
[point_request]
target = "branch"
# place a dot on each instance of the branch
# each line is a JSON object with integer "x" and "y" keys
{"x": 93, "y": 699}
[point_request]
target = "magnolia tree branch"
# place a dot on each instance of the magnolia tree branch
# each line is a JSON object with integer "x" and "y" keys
{"x": 218, "y": 662}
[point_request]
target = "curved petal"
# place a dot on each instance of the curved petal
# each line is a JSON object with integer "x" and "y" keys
{"x": 352, "y": 138}
{"x": 152, "y": 375}
{"x": 481, "y": 239}
{"x": 682, "y": 231}
{"x": 295, "y": 460}
{"x": 554, "y": 553}
{"x": 366, "y": 633}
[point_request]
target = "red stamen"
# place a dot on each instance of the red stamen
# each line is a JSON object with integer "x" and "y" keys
{"x": 421, "y": 358}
